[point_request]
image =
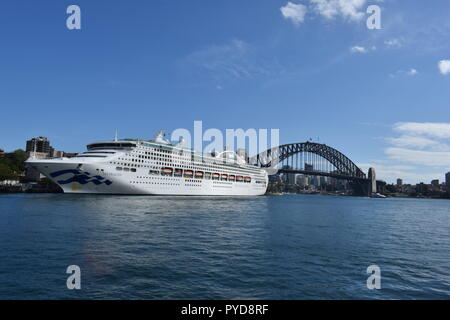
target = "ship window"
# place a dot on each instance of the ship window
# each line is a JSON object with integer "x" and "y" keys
{"x": 110, "y": 145}
{"x": 119, "y": 168}
{"x": 126, "y": 169}
{"x": 133, "y": 170}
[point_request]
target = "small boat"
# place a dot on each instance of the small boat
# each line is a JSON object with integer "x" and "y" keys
{"x": 378, "y": 196}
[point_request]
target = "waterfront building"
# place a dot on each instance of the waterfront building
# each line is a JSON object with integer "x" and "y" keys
{"x": 315, "y": 181}
{"x": 399, "y": 182}
{"x": 435, "y": 183}
{"x": 2, "y": 153}
{"x": 39, "y": 144}
{"x": 57, "y": 154}
{"x": 276, "y": 178}
{"x": 40, "y": 148}
{"x": 408, "y": 188}
{"x": 302, "y": 180}
{"x": 447, "y": 179}
{"x": 421, "y": 188}
{"x": 290, "y": 178}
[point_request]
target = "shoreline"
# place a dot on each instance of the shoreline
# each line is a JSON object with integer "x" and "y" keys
{"x": 18, "y": 190}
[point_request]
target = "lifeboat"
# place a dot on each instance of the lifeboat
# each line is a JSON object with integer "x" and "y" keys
{"x": 247, "y": 179}
{"x": 224, "y": 177}
{"x": 199, "y": 174}
{"x": 167, "y": 170}
{"x": 188, "y": 173}
{"x": 231, "y": 178}
{"x": 215, "y": 176}
{"x": 239, "y": 178}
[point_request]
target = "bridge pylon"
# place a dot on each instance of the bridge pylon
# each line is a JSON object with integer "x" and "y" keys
{"x": 372, "y": 188}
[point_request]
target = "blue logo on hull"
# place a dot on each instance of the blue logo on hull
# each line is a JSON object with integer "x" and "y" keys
{"x": 80, "y": 177}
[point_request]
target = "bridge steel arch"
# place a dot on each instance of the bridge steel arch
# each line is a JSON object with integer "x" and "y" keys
{"x": 343, "y": 164}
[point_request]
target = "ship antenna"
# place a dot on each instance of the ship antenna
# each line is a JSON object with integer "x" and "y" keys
{"x": 115, "y": 137}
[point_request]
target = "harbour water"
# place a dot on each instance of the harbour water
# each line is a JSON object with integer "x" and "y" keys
{"x": 271, "y": 247}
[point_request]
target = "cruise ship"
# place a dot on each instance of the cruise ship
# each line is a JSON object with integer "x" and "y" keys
{"x": 153, "y": 167}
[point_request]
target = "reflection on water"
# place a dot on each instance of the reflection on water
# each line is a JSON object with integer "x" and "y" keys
{"x": 292, "y": 246}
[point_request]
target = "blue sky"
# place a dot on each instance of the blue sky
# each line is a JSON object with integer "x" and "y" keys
{"x": 382, "y": 97}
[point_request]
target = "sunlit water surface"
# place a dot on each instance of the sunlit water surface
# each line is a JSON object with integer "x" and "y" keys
{"x": 271, "y": 247}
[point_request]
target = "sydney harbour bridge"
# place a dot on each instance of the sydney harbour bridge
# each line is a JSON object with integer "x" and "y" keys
{"x": 315, "y": 159}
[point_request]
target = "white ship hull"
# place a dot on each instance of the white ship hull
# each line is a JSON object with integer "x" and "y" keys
{"x": 148, "y": 170}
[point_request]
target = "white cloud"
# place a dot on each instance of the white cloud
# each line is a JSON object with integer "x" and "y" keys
{"x": 419, "y": 152}
{"x": 348, "y": 9}
{"x": 412, "y": 141}
{"x": 409, "y": 174}
{"x": 444, "y": 67}
{"x": 294, "y": 12}
{"x": 412, "y": 72}
{"x": 421, "y": 143}
{"x": 393, "y": 43}
{"x": 431, "y": 129}
{"x": 361, "y": 49}
{"x": 358, "y": 49}
{"x": 420, "y": 157}
{"x": 234, "y": 60}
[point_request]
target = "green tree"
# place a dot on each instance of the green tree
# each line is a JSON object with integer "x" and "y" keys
{"x": 5, "y": 172}
{"x": 12, "y": 164}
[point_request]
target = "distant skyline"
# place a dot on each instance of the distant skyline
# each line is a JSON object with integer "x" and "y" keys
{"x": 310, "y": 68}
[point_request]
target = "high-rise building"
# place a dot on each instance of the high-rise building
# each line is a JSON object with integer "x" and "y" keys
{"x": 399, "y": 182}
{"x": 435, "y": 183}
{"x": 447, "y": 179}
{"x": 39, "y": 145}
{"x": 421, "y": 188}
{"x": 315, "y": 181}
{"x": 302, "y": 180}
{"x": 290, "y": 178}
